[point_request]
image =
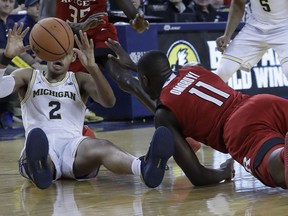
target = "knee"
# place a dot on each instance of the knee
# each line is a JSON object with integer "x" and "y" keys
{"x": 226, "y": 69}
{"x": 285, "y": 69}
{"x": 276, "y": 169}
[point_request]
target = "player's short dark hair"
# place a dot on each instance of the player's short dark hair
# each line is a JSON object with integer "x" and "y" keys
{"x": 152, "y": 61}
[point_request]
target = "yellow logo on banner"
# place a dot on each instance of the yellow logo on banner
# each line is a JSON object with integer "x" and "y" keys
{"x": 180, "y": 53}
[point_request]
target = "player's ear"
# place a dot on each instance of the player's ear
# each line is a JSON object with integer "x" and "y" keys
{"x": 145, "y": 80}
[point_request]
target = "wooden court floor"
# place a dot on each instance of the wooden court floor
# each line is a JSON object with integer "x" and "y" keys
{"x": 111, "y": 194}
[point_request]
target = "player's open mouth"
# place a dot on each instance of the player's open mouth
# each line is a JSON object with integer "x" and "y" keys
{"x": 57, "y": 65}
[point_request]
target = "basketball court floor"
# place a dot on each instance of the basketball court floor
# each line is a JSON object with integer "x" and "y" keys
{"x": 110, "y": 194}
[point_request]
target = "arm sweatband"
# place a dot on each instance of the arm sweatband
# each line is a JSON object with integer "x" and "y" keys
{"x": 7, "y": 84}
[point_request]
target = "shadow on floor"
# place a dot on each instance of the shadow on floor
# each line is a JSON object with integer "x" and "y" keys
{"x": 18, "y": 131}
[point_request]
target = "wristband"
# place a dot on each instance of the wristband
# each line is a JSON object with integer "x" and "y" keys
{"x": 4, "y": 60}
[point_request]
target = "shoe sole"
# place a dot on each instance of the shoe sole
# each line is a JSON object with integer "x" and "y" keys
{"x": 286, "y": 159}
{"x": 161, "y": 149}
{"x": 37, "y": 150}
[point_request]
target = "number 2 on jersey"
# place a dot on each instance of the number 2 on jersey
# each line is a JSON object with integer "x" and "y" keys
{"x": 56, "y": 106}
{"x": 205, "y": 96}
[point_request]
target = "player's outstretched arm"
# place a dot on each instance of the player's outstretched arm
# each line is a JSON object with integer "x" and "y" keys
{"x": 236, "y": 12}
{"x": 139, "y": 24}
{"x": 126, "y": 81}
{"x": 98, "y": 88}
{"x": 15, "y": 44}
{"x": 185, "y": 157}
{"x": 92, "y": 22}
{"x": 137, "y": 20}
{"x": 122, "y": 58}
{"x": 14, "y": 47}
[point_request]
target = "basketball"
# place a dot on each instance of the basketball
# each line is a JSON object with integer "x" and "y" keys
{"x": 51, "y": 39}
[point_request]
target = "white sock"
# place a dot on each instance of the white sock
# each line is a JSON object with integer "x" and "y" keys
{"x": 136, "y": 167}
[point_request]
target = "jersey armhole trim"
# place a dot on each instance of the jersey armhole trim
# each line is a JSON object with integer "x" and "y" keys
{"x": 77, "y": 88}
{"x": 30, "y": 86}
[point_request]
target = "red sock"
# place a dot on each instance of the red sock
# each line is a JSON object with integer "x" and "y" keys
{"x": 282, "y": 155}
{"x": 195, "y": 145}
{"x": 88, "y": 132}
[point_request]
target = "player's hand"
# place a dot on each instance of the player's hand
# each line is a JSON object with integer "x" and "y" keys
{"x": 92, "y": 22}
{"x": 228, "y": 167}
{"x": 139, "y": 24}
{"x": 15, "y": 44}
{"x": 122, "y": 57}
{"x": 85, "y": 51}
{"x": 222, "y": 43}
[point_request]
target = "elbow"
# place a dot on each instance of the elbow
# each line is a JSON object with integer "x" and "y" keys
{"x": 196, "y": 182}
{"x": 109, "y": 103}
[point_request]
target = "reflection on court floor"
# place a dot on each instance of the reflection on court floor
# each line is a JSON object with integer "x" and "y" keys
{"x": 111, "y": 194}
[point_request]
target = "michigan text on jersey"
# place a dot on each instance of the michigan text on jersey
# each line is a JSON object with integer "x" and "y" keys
{"x": 65, "y": 94}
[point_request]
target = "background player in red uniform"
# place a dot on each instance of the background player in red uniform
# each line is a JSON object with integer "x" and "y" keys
{"x": 196, "y": 103}
{"x": 88, "y": 15}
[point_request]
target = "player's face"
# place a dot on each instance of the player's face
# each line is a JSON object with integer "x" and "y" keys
{"x": 61, "y": 66}
{"x": 147, "y": 87}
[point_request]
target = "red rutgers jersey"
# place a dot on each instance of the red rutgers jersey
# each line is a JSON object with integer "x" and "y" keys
{"x": 78, "y": 11}
{"x": 201, "y": 102}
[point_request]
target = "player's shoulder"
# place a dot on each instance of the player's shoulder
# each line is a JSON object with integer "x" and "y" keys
{"x": 82, "y": 77}
{"x": 23, "y": 75}
{"x": 192, "y": 64}
{"x": 164, "y": 116}
{"x": 23, "y": 72}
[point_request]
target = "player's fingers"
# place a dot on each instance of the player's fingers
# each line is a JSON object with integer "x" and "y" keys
{"x": 85, "y": 38}
{"x": 96, "y": 23}
{"x": 98, "y": 15}
{"x": 101, "y": 21}
{"x": 26, "y": 48}
{"x": 91, "y": 43}
{"x": 82, "y": 40}
{"x": 112, "y": 57}
{"x": 77, "y": 51}
{"x": 130, "y": 22}
{"x": 15, "y": 27}
{"x": 113, "y": 44}
{"x": 20, "y": 28}
{"x": 147, "y": 24}
{"x": 77, "y": 41}
{"x": 26, "y": 30}
{"x": 9, "y": 33}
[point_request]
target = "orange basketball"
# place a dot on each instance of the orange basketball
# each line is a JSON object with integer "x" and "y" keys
{"x": 51, "y": 39}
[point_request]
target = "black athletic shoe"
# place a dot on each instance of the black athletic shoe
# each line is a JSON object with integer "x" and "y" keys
{"x": 154, "y": 163}
{"x": 37, "y": 150}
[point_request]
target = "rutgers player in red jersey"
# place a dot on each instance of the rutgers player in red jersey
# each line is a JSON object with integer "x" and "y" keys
{"x": 90, "y": 16}
{"x": 197, "y": 103}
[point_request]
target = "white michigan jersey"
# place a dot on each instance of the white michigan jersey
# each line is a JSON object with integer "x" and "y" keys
{"x": 56, "y": 108}
{"x": 268, "y": 14}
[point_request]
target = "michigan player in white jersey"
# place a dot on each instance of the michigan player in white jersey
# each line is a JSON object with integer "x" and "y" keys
{"x": 53, "y": 109}
{"x": 266, "y": 27}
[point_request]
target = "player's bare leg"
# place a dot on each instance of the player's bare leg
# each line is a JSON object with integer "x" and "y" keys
{"x": 92, "y": 153}
{"x": 277, "y": 169}
{"x": 286, "y": 159}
